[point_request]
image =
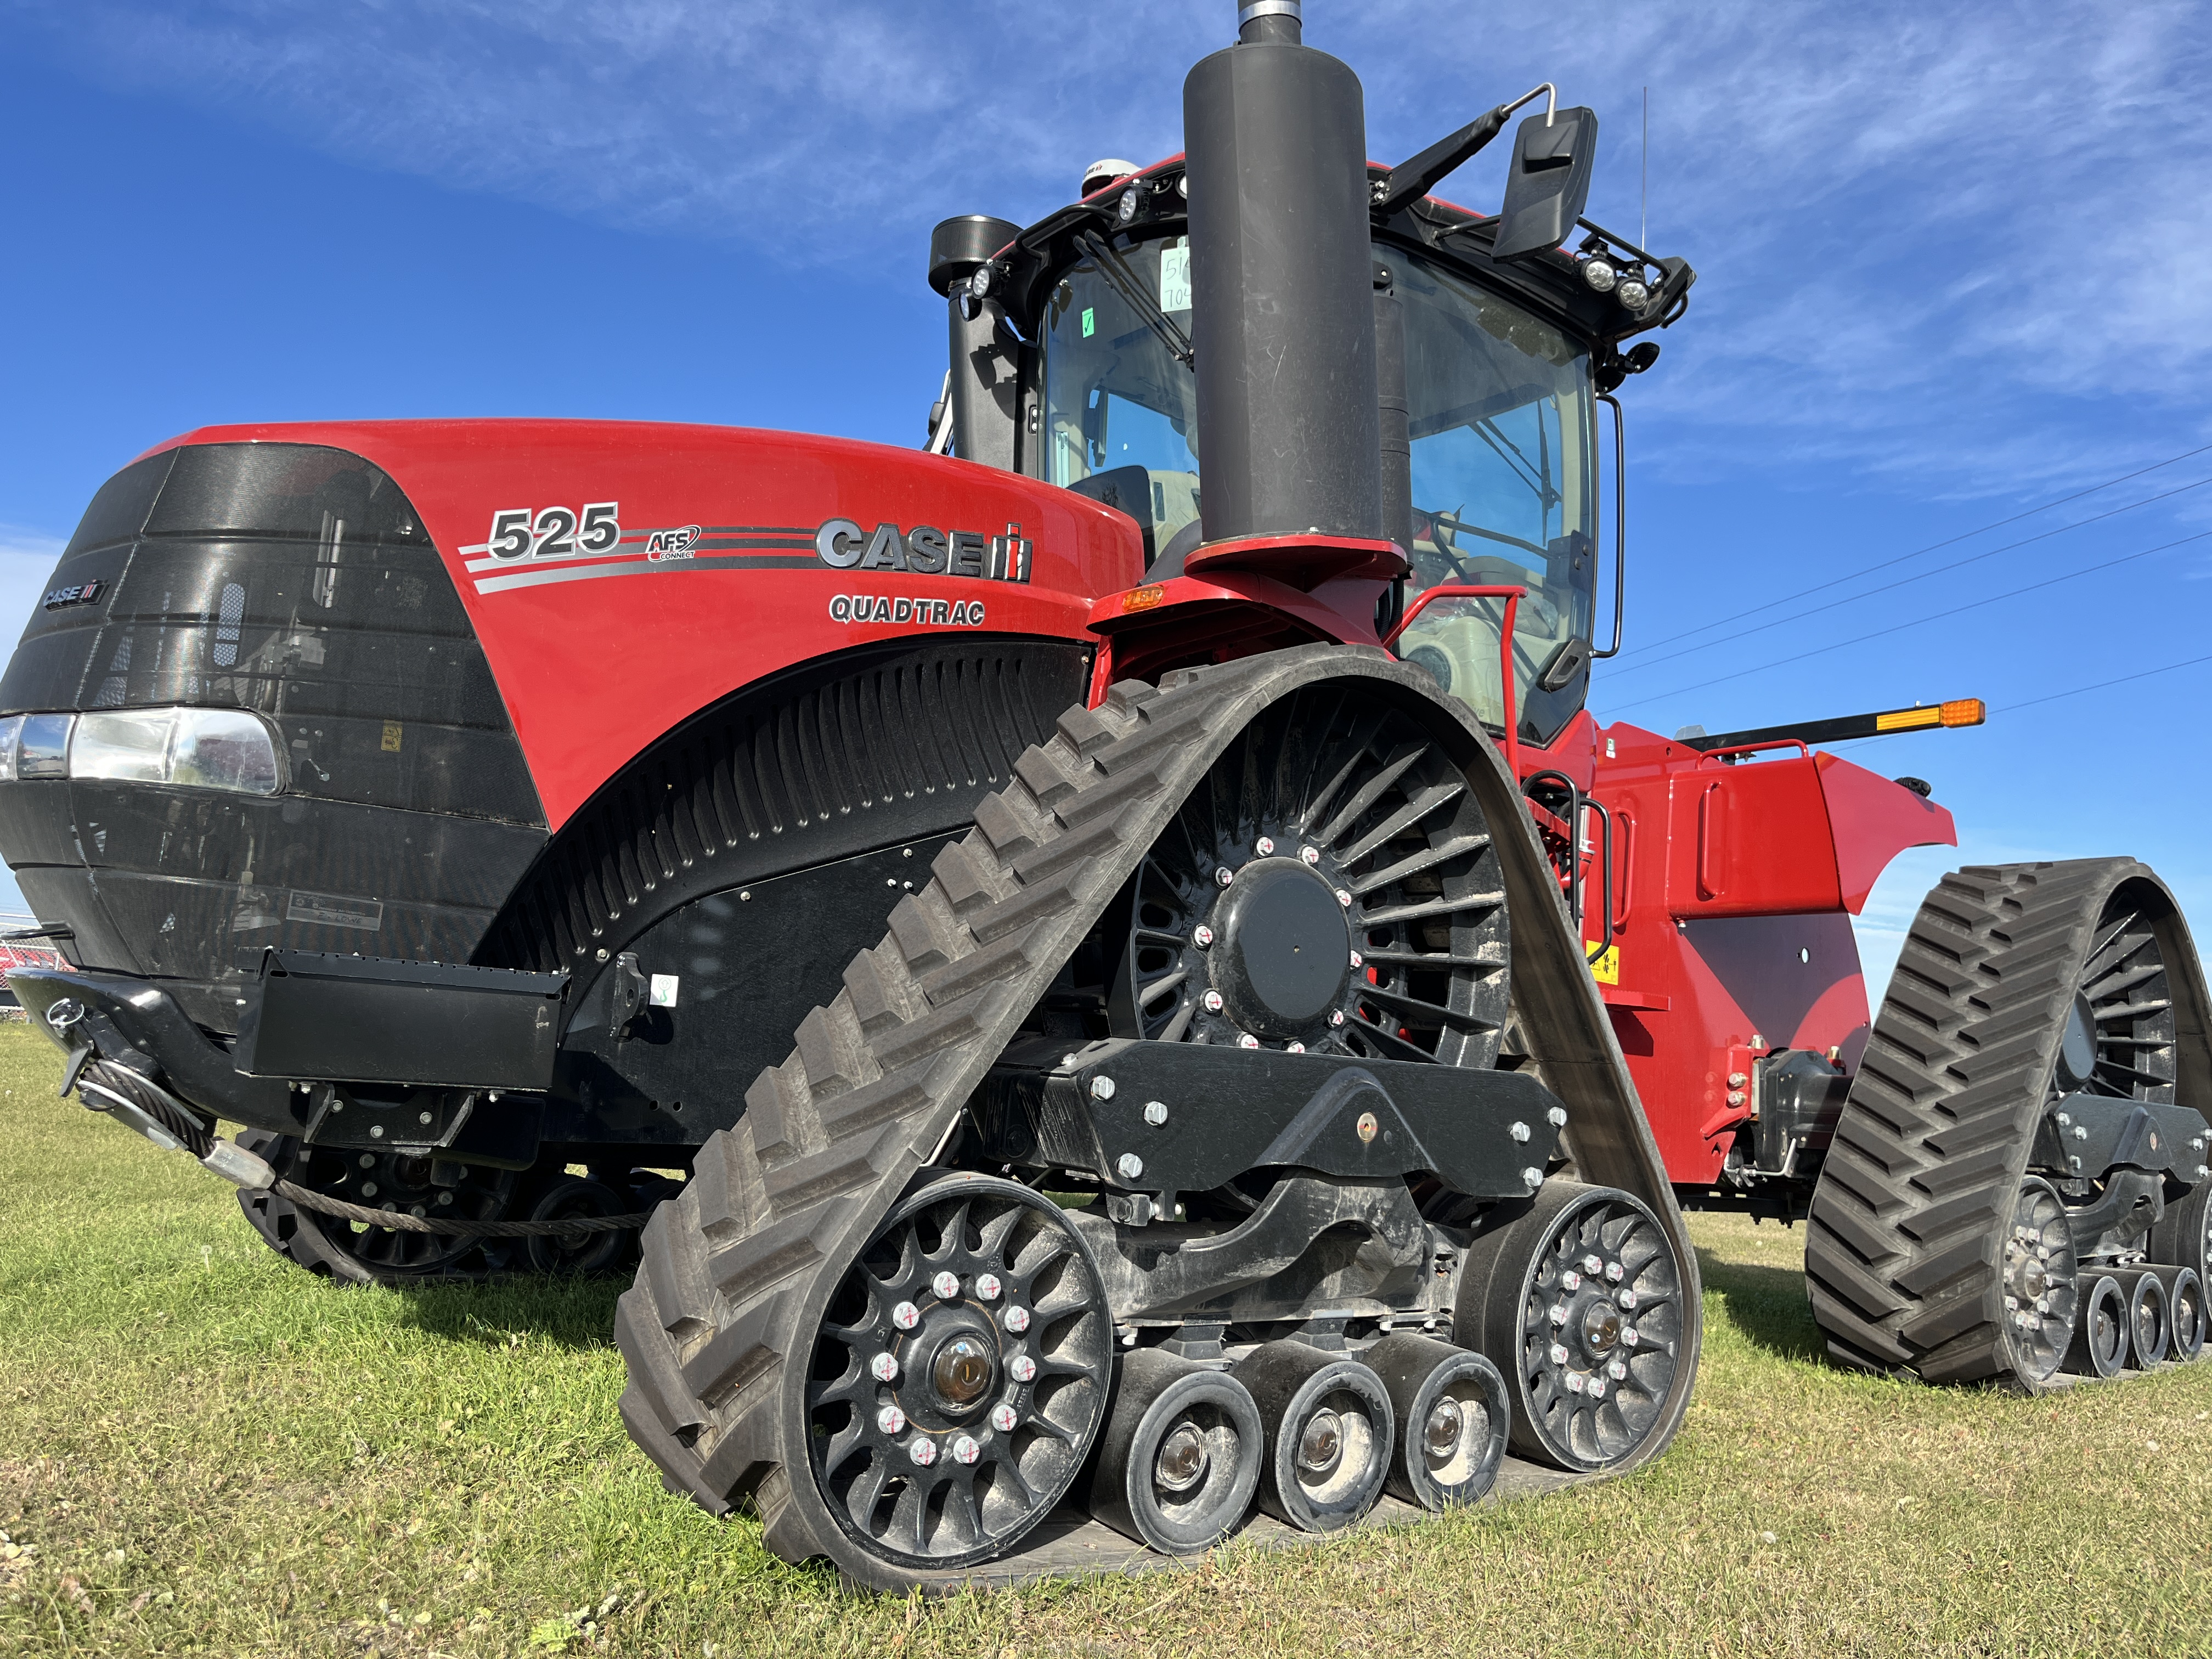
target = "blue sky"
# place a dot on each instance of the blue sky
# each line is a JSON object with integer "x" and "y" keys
{"x": 1953, "y": 268}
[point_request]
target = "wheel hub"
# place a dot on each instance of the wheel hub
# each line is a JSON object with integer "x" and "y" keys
{"x": 2077, "y": 1047}
{"x": 1182, "y": 1459}
{"x": 1601, "y": 1327}
{"x": 1283, "y": 949}
{"x": 962, "y": 1372}
{"x": 1440, "y": 1435}
{"x": 1321, "y": 1444}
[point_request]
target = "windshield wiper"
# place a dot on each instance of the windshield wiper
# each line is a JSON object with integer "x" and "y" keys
{"x": 1125, "y": 282}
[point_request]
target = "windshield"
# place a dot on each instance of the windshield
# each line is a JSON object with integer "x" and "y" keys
{"x": 1500, "y": 419}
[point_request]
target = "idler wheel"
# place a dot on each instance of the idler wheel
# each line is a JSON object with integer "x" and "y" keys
{"x": 1452, "y": 1417}
{"x": 2041, "y": 1284}
{"x": 571, "y": 1198}
{"x": 2149, "y": 1329}
{"x": 1180, "y": 1456}
{"x": 2184, "y": 1312}
{"x": 2100, "y": 1334}
{"x": 1328, "y": 1427}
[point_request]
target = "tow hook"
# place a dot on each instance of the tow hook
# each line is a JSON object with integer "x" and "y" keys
{"x": 159, "y": 1125}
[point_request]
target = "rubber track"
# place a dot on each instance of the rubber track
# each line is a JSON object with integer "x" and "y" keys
{"x": 1904, "y": 1243}
{"x": 831, "y": 1137}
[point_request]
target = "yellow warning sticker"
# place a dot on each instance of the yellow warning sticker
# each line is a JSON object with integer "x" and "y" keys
{"x": 1606, "y": 970}
{"x": 391, "y": 744}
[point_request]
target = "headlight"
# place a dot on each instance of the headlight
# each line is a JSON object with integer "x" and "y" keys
{"x": 198, "y": 748}
{"x": 1634, "y": 293}
{"x": 1599, "y": 273}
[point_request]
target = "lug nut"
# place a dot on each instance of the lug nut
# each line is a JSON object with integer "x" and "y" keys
{"x": 1735, "y": 1097}
{"x": 1336, "y": 1016}
{"x": 1559, "y": 1353}
{"x": 1598, "y": 1387}
{"x": 1224, "y": 874}
{"x": 1617, "y": 1371}
{"x": 1356, "y": 961}
{"x": 1593, "y": 1265}
{"x": 965, "y": 1451}
{"x": 1518, "y": 1131}
{"x": 1626, "y": 1296}
{"x": 1016, "y": 1319}
{"x": 1570, "y": 1280}
{"x": 1102, "y": 1088}
{"x": 1202, "y": 935}
{"x": 1628, "y": 1336}
{"x": 1614, "y": 1271}
{"x": 1212, "y": 1001}
{"x": 1156, "y": 1112}
{"x": 1295, "y": 1049}
{"x": 1559, "y": 1313}
{"x": 1246, "y": 1040}
{"x": 1021, "y": 1368}
{"x": 986, "y": 1287}
{"x": 891, "y": 1420}
{"x": 923, "y": 1450}
{"x": 946, "y": 1286}
{"x": 1003, "y": 1418}
{"x": 1575, "y": 1384}
{"x": 906, "y": 1315}
{"x": 1736, "y": 1080}
{"x": 1128, "y": 1166}
{"x": 1344, "y": 897}
{"x": 885, "y": 1367}
{"x": 1311, "y": 855}
{"x": 1264, "y": 847}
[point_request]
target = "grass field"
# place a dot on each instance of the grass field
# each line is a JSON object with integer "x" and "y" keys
{"x": 204, "y": 1450}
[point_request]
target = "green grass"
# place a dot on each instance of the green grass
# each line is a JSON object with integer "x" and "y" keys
{"x": 202, "y": 1449}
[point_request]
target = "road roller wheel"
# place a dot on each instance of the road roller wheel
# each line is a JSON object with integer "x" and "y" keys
{"x": 1579, "y": 1300}
{"x": 1180, "y": 1457}
{"x": 2184, "y": 1312}
{"x": 2100, "y": 1334}
{"x": 1329, "y": 1428}
{"x": 1452, "y": 1416}
{"x": 2149, "y": 1329}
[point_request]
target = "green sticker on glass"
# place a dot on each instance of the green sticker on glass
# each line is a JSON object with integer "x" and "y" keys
{"x": 1090, "y": 323}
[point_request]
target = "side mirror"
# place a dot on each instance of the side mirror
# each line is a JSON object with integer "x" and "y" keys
{"x": 1547, "y": 182}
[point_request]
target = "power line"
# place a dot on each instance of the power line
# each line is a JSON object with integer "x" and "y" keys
{"x": 1932, "y": 547}
{"x": 1921, "y": 622}
{"x": 1926, "y": 576}
{"x": 2099, "y": 685}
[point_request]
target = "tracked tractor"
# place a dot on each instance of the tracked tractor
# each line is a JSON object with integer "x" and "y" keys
{"x": 1099, "y": 968}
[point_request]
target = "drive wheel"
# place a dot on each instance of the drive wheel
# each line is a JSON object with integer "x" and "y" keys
{"x": 1578, "y": 1300}
{"x": 960, "y": 1374}
{"x": 359, "y": 1254}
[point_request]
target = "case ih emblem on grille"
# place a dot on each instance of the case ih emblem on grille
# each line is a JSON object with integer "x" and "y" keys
{"x": 843, "y": 546}
{"x": 82, "y": 593}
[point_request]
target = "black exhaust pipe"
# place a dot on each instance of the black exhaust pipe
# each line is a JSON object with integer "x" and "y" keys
{"x": 1283, "y": 314}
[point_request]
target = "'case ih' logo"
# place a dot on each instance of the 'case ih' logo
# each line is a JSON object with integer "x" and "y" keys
{"x": 82, "y": 593}
{"x": 843, "y": 546}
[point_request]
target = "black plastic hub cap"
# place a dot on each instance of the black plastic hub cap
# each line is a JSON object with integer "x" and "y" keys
{"x": 1285, "y": 950}
{"x": 2077, "y": 1048}
{"x": 1182, "y": 1459}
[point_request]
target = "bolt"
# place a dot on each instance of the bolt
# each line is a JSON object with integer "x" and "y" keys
{"x": 603, "y": 955}
{"x": 1736, "y": 1080}
{"x": 444, "y": 1198}
{"x": 1615, "y": 1271}
{"x": 1003, "y": 1418}
{"x": 1336, "y": 1016}
{"x": 1015, "y": 1319}
{"x": 906, "y": 1315}
{"x": 1532, "y": 1177}
{"x": 1570, "y": 1280}
{"x": 1574, "y": 1383}
{"x": 987, "y": 1287}
{"x": 946, "y": 1286}
{"x": 1246, "y": 1040}
{"x": 2076, "y": 1162}
{"x": 1518, "y": 1131}
{"x": 1224, "y": 875}
{"x": 1102, "y": 1088}
{"x": 1617, "y": 1371}
{"x": 1203, "y": 934}
{"x": 2081, "y": 1132}
{"x": 1628, "y": 1336}
{"x": 1598, "y": 1387}
{"x": 890, "y": 1419}
{"x": 965, "y": 1451}
{"x": 1311, "y": 855}
{"x": 2065, "y": 1118}
{"x": 368, "y": 1189}
{"x": 1735, "y": 1097}
{"x": 1156, "y": 1112}
{"x": 923, "y": 1451}
{"x": 376, "y": 1132}
{"x": 1264, "y": 847}
{"x": 423, "y": 1118}
{"x": 885, "y": 1367}
{"x": 1626, "y": 1296}
{"x": 368, "y": 1160}
{"x": 1557, "y": 1117}
{"x": 1128, "y": 1166}
{"x": 1295, "y": 1049}
{"x": 1593, "y": 1264}
{"x": 1021, "y": 1368}
{"x": 1559, "y": 1313}
{"x": 1344, "y": 898}
{"x": 1213, "y": 1001}
{"x": 1559, "y": 1353}
{"x": 1356, "y": 961}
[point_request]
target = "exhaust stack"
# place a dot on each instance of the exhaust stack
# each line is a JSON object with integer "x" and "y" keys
{"x": 1282, "y": 287}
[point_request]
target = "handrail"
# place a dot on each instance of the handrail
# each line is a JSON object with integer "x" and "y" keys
{"x": 1620, "y": 526}
{"x": 1798, "y": 743}
{"x": 1512, "y": 596}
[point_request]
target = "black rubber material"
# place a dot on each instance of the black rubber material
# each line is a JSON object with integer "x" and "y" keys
{"x": 1418, "y": 1372}
{"x": 2150, "y": 1333}
{"x": 2183, "y": 1235}
{"x": 877, "y": 1080}
{"x": 1292, "y": 1384}
{"x": 2101, "y": 1330}
{"x": 2184, "y": 1312}
{"x": 1157, "y": 1394}
{"x": 1904, "y": 1243}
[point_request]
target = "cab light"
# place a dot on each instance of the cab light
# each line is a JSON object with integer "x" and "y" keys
{"x": 1966, "y": 711}
{"x": 1143, "y": 599}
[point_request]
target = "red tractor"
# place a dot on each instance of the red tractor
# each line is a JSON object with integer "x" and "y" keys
{"x": 1252, "y": 1026}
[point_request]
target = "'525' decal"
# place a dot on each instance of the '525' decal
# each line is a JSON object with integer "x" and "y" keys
{"x": 549, "y": 532}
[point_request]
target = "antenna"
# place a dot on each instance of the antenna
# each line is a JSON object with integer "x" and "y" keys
{"x": 1643, "y": 194}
